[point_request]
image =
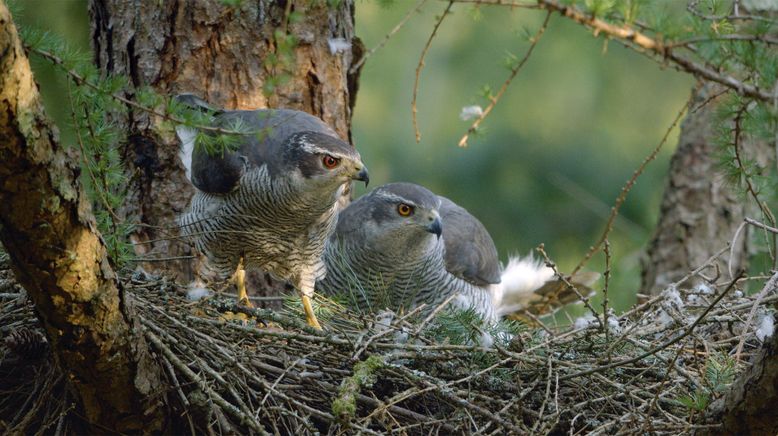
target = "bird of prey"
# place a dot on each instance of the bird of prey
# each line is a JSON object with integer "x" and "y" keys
{"x": 272, "y": 200}
{"x": 387, "y": 251}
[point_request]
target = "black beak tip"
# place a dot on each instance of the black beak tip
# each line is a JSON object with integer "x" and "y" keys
{"x": 363, "y": 176}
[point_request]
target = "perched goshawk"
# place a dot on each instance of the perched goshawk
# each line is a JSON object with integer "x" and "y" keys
{"x": 387, "y": 251}
{"x": 273, "y": 201}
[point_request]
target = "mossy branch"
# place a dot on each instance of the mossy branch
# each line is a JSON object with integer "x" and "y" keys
{"x": 344, "y": 406}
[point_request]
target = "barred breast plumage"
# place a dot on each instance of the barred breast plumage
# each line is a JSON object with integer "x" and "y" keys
{"x": 271, "y": 225}
{"x": 272, "y": 201}
{"x": 378, "y": 279}
{"x": 387, "y": 252}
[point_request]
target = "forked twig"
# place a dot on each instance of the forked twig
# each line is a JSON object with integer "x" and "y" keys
{"x": 769, "y": 286}
{"x": 664, "y": 345}
{"x": 641, "y": 41}
{"x": 218, "y": 399}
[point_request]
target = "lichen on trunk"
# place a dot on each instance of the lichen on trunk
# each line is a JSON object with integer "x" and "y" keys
{"x": 48, "y": 230}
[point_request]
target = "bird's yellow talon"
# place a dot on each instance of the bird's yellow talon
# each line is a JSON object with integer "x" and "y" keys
{"x": 239, "y": 317}
{"x": 245, "y": 302}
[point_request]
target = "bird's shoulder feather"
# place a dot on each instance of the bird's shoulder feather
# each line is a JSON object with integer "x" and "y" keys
{"x": 470, "y": 251}
{"x": 266, "y": 132}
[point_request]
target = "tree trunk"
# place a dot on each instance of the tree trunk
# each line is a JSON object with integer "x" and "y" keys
{"x": 223, "y": 54}
{"x": 47, "y": 228}
{"x": 700, "y": 211}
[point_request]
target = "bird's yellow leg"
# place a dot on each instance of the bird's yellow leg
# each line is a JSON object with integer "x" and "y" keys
{"x": 240, "y": 283}
{"x": 310, "y": 316}
{"x": 305, "y": 285}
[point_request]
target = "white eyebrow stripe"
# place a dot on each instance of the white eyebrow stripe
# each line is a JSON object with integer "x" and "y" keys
{"x": 395, "y": 198}
{"x": 309, "y": 147}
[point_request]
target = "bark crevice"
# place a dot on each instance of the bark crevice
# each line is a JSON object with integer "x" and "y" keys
{"x": 48, "y": 230}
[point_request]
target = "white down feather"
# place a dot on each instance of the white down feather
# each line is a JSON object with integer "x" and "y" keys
{"x": 518, "y": 281}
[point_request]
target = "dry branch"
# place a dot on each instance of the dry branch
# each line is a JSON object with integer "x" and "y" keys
{"x": 655, "y": 46}
{"x": 514, "y": 71}
{"x": 420, "y": 66}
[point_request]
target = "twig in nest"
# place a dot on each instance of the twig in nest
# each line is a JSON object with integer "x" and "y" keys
{"x": 664, "y": 345}
{"x": 549, "y": 365}
{"x": 434, "y": 313}
{"x": 584, "y": 299}
{"x": 607, "y": 275}
{"x": 768, "y": 287}
{"x": 218, "y": 399}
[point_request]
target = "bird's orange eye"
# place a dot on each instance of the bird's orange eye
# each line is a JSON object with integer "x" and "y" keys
{"x": 405, "y": 210}
{"x": 330, "y": 162}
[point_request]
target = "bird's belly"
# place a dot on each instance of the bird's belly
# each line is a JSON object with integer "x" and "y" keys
{"x": 284, "y": 241}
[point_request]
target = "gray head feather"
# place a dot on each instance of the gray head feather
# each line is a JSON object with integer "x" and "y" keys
{"x": 376, "y": 220}
{"x": 289, "y": 143}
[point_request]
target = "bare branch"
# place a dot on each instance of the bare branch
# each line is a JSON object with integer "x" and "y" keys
{"x": 420, "y": 66}
{"x": 639, "y": 40}
{"x": 514, "y": 71}
{"x": 357, "y": 65}
{"x": 628, "y": 187}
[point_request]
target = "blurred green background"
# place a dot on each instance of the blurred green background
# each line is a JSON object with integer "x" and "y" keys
{"x": 552, "y": 156}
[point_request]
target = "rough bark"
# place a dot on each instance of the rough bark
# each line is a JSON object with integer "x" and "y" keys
{"x": 217, "y": 52}
{"x": 47, "y": 227}
{"x": 700, "y": 211}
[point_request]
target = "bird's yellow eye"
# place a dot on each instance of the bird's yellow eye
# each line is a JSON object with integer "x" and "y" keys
{"x": 330, "y": 162}
{"x": 404, "y": 209}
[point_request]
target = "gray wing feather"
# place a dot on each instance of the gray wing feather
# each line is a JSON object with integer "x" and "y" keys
{"x": 269, "y": 129}
{"x": 470, "y": 251}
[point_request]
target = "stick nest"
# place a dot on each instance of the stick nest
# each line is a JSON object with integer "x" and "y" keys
{"x": 653, "y": 369}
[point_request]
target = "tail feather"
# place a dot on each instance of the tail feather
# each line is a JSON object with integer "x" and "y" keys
{"x": 520, "y": 278}
{"x": 528, "y": 284}
{"x": 187, "y": 137}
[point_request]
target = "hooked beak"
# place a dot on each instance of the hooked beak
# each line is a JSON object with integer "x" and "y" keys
{"x": 435, "y": 227}
{"x": 363, "y": 176}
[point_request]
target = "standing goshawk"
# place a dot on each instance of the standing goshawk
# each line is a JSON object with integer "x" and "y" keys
{"x": 387, "y": 251}
{"x": 273, "y": 201}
